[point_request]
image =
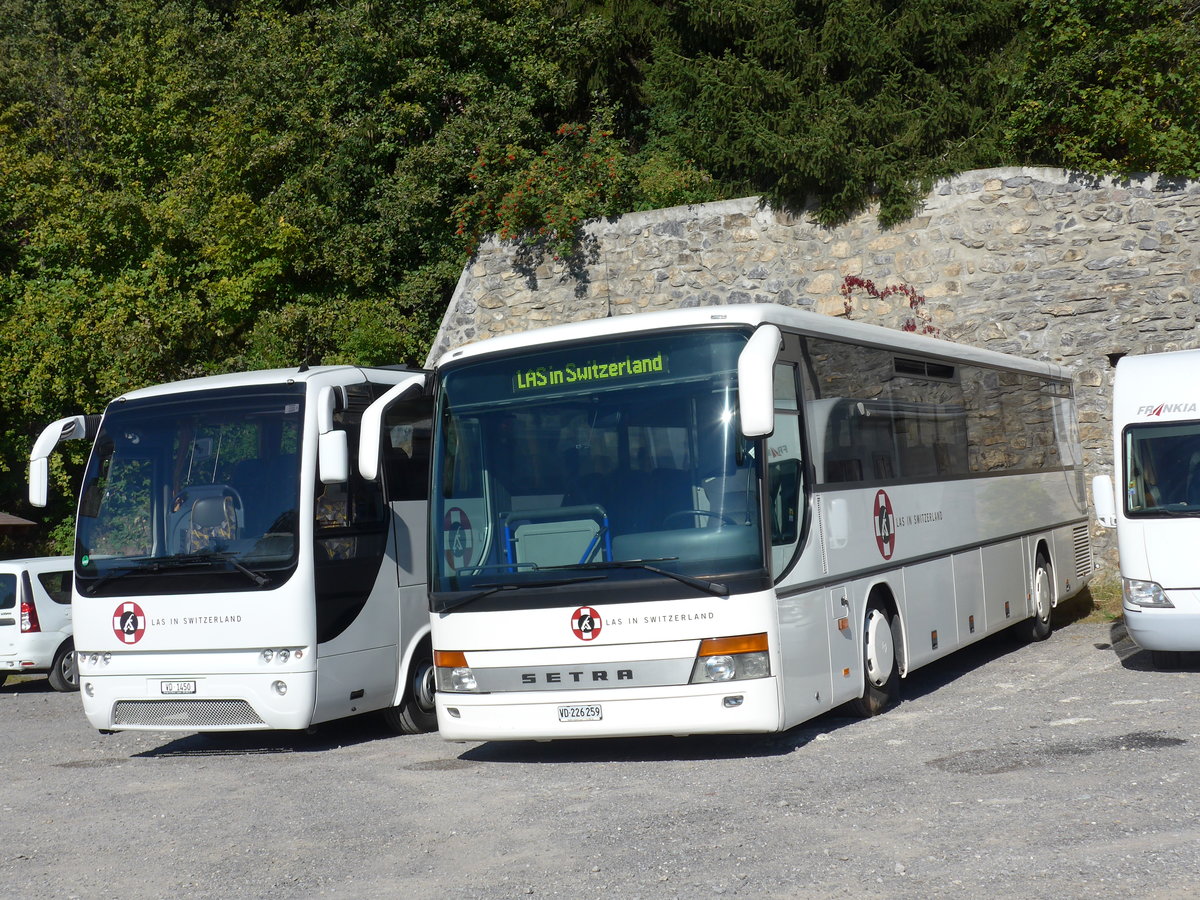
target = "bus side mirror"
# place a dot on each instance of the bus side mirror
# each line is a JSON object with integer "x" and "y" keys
{"x": 756, "y": 382}
{"x": 1104, "y": 501}
{"x": 372, "y": 423}
{"x": 333, "y": 448}
{"x": 72, "y": 428}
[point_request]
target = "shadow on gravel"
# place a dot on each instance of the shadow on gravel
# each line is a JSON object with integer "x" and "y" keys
{"x": 656, "y": 749}
{"x": 35, "y": 685}
{"x": 330, "y": 736}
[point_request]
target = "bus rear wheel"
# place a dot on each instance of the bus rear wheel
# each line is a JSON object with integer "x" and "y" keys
{"x": 1037, "y": 628}
{"x": 416, "y": 713}
{"x": 881, "y": 671}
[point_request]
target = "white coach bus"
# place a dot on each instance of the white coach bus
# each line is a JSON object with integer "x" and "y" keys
{"x": 1156, "y": 455}
{"x": 232, "y": 570}
{"x": 730, "y": 519}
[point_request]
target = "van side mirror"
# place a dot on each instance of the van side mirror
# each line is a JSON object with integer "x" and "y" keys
{"x": 756, "y": 382}
{"x": 1104, "y": 501}
{"x": 333, "y": 448}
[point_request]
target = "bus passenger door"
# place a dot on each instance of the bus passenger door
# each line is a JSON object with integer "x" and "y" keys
{"x": 406, "y": 434}
{"x": 845, "y": 654}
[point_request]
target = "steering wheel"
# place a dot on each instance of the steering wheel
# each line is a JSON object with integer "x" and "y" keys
{"x": 725, "y": 520}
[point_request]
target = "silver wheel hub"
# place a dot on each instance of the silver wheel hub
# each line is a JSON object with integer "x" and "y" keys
{"x": 424, "y": 686}
{"x": 1041, "y": 594}
{"x": 880, "y": 652}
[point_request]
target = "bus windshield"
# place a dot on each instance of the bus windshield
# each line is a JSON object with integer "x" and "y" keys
{"x": 600, "y": 461}
{"x": 1162, "y": 469}
{"x": 192, "y": 492}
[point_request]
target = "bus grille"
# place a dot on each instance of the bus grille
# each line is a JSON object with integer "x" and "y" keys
{"x": 1083, "y": 552}
{"x": 184, "y": 714}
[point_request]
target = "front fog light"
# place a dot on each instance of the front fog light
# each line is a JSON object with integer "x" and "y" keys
{"x": 458, "y": 680}
{"x": 720, "y": 668}
{"x": 732, "y": 659}
{"x": 1147, "y": 594}
{"x": 452, "y": 673}
{"x": 279, "y": 687}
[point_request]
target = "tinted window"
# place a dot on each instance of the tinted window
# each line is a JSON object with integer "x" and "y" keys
{"x": 57, "y": 585}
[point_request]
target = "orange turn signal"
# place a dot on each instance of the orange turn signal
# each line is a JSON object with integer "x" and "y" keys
{"x": 744, "y": 643}
{"x": 449, "y": 659}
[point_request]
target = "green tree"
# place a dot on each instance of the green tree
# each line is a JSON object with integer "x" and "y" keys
{"x": 1109, "y": 87}
{"x": 841, "y": 101}
{"x": 188, "y": 188}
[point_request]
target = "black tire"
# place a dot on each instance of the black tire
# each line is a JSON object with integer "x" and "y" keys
{"x": 416, "y": 714}
{"x": 63, "y": 676}
{"x": 3, "y": 678}
{"x": 881, "y": 669}
{"x": 1166, "y": 659}
{"x": 1037, "y": 627}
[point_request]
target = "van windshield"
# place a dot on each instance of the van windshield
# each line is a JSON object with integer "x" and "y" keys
{"x": 1162, "y": 469}
{"x": 192, "y": 491}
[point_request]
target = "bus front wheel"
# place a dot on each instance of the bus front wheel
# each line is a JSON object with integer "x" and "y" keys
{"x": 416, "y": 712}
{"x": 881, "y": 672}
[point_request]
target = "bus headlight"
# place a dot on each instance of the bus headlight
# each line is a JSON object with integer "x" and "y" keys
{"x": 1148, "y": 594}
{"x": 732, "y": 659}
{"x": 452, "y": 673}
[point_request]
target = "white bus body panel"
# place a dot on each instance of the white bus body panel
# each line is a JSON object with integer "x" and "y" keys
{"x": 958, "y": 566}
{"x": 209, "y": 647}
{"x": 1151, "y": 389}
{"x": 633, "y": 637}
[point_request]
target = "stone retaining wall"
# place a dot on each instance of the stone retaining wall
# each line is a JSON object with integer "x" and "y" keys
{"x": 1043, "y": 263}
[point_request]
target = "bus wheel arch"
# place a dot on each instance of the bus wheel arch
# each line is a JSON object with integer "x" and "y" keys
{"x": 416, "y": 712}
{"x": 882, "y": 653}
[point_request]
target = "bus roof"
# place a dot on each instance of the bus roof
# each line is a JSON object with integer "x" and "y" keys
{"x": 753, "y": 315}
{"x": 248, "y": 379}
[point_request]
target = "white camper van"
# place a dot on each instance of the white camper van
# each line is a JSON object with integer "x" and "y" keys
{"x": 1156, "y": 510}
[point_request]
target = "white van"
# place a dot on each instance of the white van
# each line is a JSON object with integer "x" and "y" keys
{"x": 35, "y": 620}
{"x": 1156, "y": 507}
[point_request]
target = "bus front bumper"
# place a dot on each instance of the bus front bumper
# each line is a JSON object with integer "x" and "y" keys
{"x": 736, "y": 707}
{"x": 195, "y": 703}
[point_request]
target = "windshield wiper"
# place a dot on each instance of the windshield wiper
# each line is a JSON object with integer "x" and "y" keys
{"x": 154, "y": 565}
{"x": 486, "y": 590}
{"x": 711, "y": 587}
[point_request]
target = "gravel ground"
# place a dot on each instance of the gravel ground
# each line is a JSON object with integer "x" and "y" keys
{"x": 1059, "y": 770}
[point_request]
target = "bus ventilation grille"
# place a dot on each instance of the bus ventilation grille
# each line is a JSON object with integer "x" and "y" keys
{"x": 1083, "y": 551}
{"x": 184, "y": 714}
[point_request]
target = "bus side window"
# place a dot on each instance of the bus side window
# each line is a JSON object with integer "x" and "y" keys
{"x": 407, "y": 428}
